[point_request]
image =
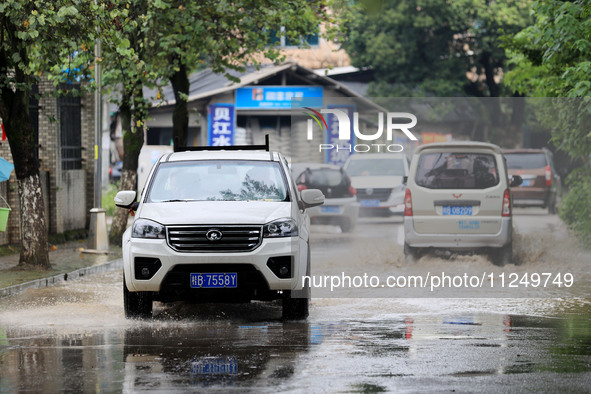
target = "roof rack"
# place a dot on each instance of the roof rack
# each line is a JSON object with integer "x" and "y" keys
{"x": 264, "y": 147}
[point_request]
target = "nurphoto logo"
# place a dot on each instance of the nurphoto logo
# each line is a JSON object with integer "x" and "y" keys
{"x": 342, "y": 130}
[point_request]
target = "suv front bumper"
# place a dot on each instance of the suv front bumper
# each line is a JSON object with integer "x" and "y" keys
{"x": 172, "y": 260}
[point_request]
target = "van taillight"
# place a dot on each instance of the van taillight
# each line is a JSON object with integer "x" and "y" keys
{"x": 407, "y": 203}
{"x": 548, "y": 176}
{"x": 506, "y": 203}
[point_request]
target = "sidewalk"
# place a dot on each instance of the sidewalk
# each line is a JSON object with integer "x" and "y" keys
{"x": 68, "y": 262}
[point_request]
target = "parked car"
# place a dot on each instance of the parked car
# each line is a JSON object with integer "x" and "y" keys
{"x": 541, "y": 185}
{"x": 458, "y": 198}
{"x": 340, "y": 205}
{"x": 377, "y": 177}
{"x": 218, "y": 226}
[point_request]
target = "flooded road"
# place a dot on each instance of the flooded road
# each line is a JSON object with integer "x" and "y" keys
{"x": 73, "y": 337}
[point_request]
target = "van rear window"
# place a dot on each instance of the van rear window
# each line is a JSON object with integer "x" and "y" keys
{"x": 445, "y": 170}
{"x": 525, "y": 161}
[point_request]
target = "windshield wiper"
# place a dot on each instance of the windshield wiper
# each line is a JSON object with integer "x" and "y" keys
{"x": 185, "y": 200}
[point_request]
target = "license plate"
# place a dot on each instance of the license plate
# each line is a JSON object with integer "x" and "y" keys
{"x": 214, "y": 366}
{"x": 214, "y": 280}
{"x": 369, "y": 203}
{"x": 330, "y": 209}
{"x": 456, "y": 210}
{"x": 526, "y": 182}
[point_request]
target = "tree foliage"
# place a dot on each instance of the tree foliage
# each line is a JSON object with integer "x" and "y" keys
{"x": 551, "y": 58}
{"x": 222, "y": 35}
{"x": 36, "y": 37}
{"x": 427, "y": 47}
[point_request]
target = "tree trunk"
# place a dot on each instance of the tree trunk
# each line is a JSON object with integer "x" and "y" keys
{"x": 34, "y": 247}
{"x": 14, "y": 110}
{"x": 180, "y": 117}
{"x": 132, "y": 144}
{"x": 496, "y": 114}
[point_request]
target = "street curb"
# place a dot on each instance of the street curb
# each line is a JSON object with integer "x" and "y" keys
{"x": 53, "y": 280}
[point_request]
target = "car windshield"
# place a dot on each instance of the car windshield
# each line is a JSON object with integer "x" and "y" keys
{"x": 219, "y": 180}
{"x": 525, "y": 161}
{"x": 376, "y": 167}
{"x": 445, "y": 170}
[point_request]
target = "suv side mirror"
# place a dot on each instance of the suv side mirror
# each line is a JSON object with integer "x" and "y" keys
{"x": 312, "y": 197}
{"x": 516, "y": 180}
{"x": 126, "y": 199}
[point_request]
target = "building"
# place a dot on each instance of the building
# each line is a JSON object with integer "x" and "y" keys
{"x": 260, "y": 104}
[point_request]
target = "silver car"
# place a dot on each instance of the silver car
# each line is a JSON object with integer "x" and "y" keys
{"x": 458, "y": 198}
{"x": 340, "y": 207}
{"x": 378, "y": 180}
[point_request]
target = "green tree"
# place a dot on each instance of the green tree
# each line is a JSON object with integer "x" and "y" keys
{"x": 222, "y": 35}
{"x": 167, "y": 40}
{"x": 125, "y": 29}
{"x": 427, "y": 47}
{"x": 35, "y": 38}
{"x": 551, "y": 58}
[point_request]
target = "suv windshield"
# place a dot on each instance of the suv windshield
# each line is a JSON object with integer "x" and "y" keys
{"x": 219, "y": 180}
{"x": 525, "y": 161}
{"x": 445, "y": 170}
{"x": 376, "y": 167}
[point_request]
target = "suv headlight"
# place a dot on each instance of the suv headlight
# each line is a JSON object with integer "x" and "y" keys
{"x": 286, "y": 227}
{"x": 144, "y": 228}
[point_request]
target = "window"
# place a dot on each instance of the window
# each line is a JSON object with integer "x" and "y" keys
{"x": 70, "y": 119}
{"x": 220, "y": 180}
{"x": 278, "y": 38}
{"x": 445, "y": 170}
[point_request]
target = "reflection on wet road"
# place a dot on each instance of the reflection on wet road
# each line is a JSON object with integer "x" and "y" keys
{"x": 73, "y": 337}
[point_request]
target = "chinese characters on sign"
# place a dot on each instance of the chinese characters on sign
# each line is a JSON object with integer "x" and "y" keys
{"x": 275, "y": 97}
{"x": 338, "y": 156}
{"x": 221, "y": 124}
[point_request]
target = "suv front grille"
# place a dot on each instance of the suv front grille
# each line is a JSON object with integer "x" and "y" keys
{"x": 381, "y": 194}
{"x": 221, "y": 238}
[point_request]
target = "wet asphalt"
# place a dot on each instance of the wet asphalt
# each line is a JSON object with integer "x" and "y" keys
{"x": 73, "y": 337}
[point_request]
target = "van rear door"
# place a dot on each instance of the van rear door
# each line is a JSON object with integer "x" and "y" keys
{"x": 458, "y": 191}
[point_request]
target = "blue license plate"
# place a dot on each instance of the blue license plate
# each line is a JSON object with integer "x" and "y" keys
{"x": 214, "y": 366}
{"x": 456, "y": 210}
{"x": 369, "y": 203}
{"x": 330, "y": 209}
{"x": 526, "y": 182}
{"x": 214, "y": 280}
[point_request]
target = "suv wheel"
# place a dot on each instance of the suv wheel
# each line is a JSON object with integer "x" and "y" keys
{"x": 502, "y": 256}
{"x": 137, "y": 305}
{"x": 296, "y": 305}
{"x": 411, "y": 255}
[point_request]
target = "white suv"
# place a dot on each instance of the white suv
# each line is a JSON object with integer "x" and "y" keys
{"x": 216, "y": 225}
{"x": 458, "y": 198}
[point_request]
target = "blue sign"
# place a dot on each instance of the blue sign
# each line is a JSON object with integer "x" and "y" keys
{"x": 221, "y": 124}
{"x": 276, "y": 97}
{"x": 343, "y": 148}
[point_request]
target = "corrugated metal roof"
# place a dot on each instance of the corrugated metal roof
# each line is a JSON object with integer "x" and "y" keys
{"x": 206, "y": 83}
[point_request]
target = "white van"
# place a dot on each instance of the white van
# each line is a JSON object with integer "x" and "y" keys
{"x": 458, "y": 198}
